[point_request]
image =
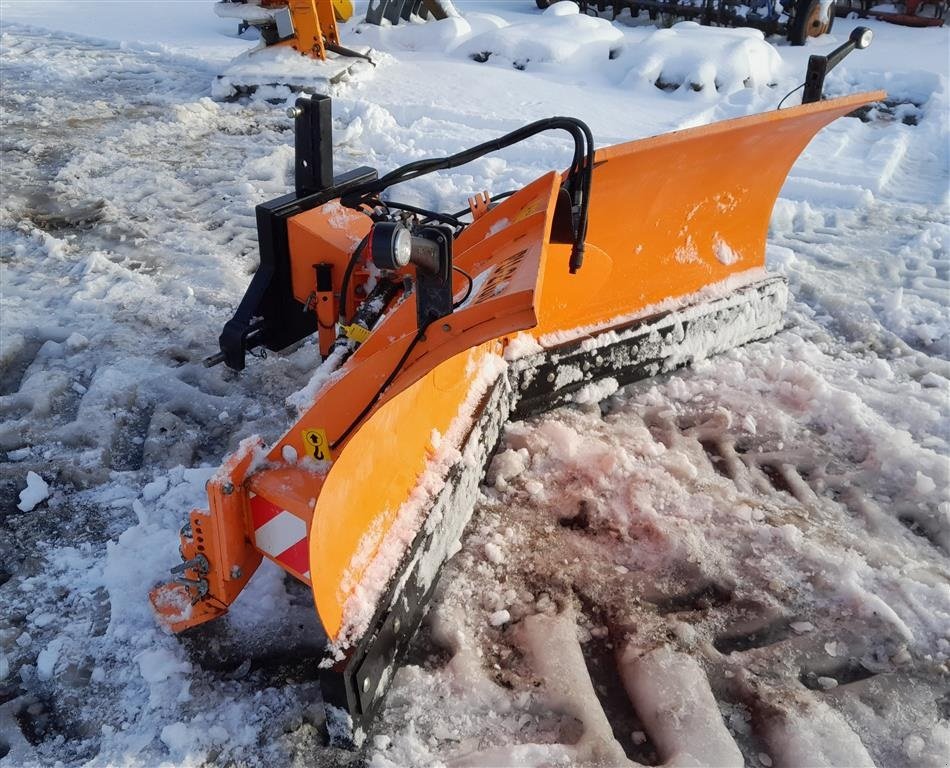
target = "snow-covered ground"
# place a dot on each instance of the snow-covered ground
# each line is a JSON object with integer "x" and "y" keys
{"x": 747, "y": 561}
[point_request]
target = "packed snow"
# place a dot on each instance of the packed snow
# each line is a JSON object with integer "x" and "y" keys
{"x": 742, "y": 563}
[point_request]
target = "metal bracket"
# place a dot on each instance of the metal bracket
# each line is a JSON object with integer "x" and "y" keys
{"x": 313, "y": 144}
{"x": 198, "y": 564}
{"x": 434, "y": 289}
{"x": 820, "y": 66}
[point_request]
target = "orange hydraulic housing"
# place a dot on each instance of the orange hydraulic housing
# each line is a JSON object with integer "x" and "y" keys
{"x": 314, "y": 25}
{"x": 669, "y": 217}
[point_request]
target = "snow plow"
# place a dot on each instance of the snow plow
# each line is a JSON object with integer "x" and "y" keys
{"x": 310, "y": 26}
{"x": 436, "y": 328}
{"x": 299, "y": 48}
{"x": 291, "y": 29}
{"x": 307, "y": 26}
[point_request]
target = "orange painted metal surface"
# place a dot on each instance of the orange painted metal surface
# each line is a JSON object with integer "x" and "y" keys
{"x": 220, "y": 535}
{"x": 676, "y": 212}
{"x": 327, "y": 234}
{"x": 314, "y": 26}
{"x": 668, "y": 216}
{"x": 375, "y": 475}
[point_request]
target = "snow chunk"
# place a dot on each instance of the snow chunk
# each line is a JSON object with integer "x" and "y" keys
{"x": 924, "y": 484}
{"x": 499, "y": 617}
{"x": 77, "y": 341}
{"x": 155, "y": 489}
{"x": 160, "y": 664}
{"x": 522, "y": 345}
{"x": 36, "y": 491}
{"x": 494, "y": 554}
{"x": 178, "y": 737}
{"x": 46, "y": 661}
{"x": 724, "y": 252}
{"x": 596, "y": 391}
{"x": 507, "y": 465}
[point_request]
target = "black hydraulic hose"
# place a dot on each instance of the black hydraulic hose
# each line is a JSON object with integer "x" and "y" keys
{"x": 468, "y": 291}
{"x": 379, "y": 392}
{"x": 578, "y": 181}
{"x": 423, "y": 167}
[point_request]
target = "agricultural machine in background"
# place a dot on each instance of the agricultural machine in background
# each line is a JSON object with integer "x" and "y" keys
{"x": 797, "y": 20}
{"x": 434, "y": 328}
{"x": 310, "y": 26}
{"x": 910, "y": 13}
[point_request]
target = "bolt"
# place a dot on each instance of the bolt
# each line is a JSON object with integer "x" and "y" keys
{"x": 227, "y": 489}
{"x": 294, "y": 112}
{"x": 550, "y": 377}
{"x": 446, "y": 327}
{"x": 236, "y": 572}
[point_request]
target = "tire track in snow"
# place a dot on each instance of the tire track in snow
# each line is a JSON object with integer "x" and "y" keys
{"x": 679, "y": 576}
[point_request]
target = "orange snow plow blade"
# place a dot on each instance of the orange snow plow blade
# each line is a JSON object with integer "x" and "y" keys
{"x": 640, "y": 258}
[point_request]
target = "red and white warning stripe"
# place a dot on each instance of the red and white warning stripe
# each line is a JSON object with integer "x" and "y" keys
{"x": 280, "y": 534}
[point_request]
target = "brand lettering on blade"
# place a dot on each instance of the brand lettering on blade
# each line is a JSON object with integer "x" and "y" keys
{"x": 501, "y": 276}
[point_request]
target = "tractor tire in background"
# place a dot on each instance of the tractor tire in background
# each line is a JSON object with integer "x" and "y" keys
{"x": 810, "y": 20}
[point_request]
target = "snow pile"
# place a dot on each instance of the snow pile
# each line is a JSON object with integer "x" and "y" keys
{"x": 274, "y": 70}
{"x": 560, "y": 36}
{"x": 708, "y": 60}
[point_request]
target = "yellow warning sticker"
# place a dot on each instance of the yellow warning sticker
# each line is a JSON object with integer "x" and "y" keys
{"x": 529, "y": 210}
{"x": 316, "y": 444}
{"x": 358, "y": 333}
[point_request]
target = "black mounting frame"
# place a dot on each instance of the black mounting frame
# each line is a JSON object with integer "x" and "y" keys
{"x": 269, "y": 316}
